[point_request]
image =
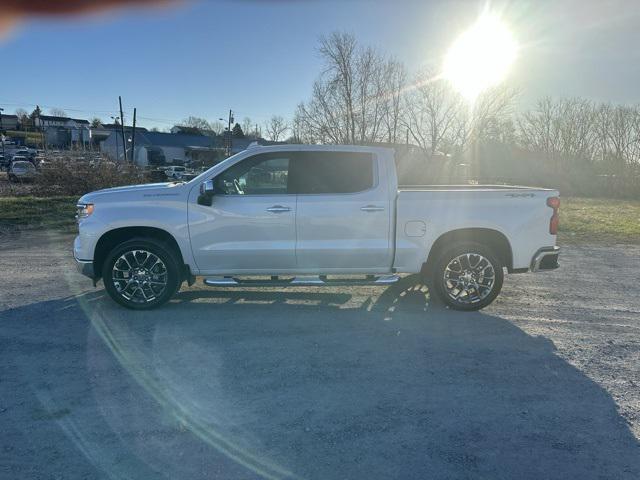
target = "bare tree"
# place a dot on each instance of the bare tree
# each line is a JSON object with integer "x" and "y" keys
{"x": 217, "y": 127}
{"x": 537, "y": 128}
{"x": 298, "y": 131}
{"x": 394, "y": 82}
{"x": 339, "y": 54}
{"x": 433, "y": 112}
{"x": 276, "y": 128}
{"x": 57, "y": 112}
{"x": 564, "y": 131}
{"x": 617, "y": 129}
{"x": 440, "y": 120}
{"x": 197, "y": 123}
{"x": 248, "y": 127}
{"x": 490, "y": 112}
{"x": 356, "y": 99}
{"x": 23, "y": 117}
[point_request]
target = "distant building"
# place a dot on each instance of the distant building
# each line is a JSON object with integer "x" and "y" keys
{"x": 9, "y": 122}
{"x": 63, "y": 132}
{"x": 53, "y": 121}
{"x": 101, "y": 133}
{"x": 158, "y": 148}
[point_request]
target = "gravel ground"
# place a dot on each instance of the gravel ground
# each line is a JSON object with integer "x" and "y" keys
{"x": 316, "y": 383}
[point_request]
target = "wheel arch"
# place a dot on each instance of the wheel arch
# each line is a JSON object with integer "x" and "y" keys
{"x": 114, "y": 237}
{"x": 491, "y": 238}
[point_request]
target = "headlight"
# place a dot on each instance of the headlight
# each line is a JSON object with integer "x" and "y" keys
{"x": 83, "y": 210}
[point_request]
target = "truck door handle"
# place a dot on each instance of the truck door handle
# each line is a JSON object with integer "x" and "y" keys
{"x": 371, "y": 208}
{"x": 278, "y": 209}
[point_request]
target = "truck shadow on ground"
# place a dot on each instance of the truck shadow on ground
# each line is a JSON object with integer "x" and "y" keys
{"x": 290, "y": 384}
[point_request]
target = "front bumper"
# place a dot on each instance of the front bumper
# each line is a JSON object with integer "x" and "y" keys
{"x": 545, "y": 259}
{"x": 85, "y": 267}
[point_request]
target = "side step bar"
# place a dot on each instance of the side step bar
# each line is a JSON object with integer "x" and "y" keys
{"x": 304, "y": 280}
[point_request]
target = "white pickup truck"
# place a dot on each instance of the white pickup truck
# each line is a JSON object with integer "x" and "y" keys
{"x": 312, "y": 215}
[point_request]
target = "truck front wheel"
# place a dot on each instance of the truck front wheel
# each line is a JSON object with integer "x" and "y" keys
{"x": 467, "y": 276}
{"x": 141, "y": 273}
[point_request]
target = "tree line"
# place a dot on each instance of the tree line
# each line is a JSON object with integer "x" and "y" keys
{"x": 274, "y": 129}
{"x": 364, "y": 96}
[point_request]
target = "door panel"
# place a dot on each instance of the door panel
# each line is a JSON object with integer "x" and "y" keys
{"x": 250, "y": 226}
{"x": 335, "y": 233}
{"x": 347, "y": 231}
{"x": 238, "y": 232}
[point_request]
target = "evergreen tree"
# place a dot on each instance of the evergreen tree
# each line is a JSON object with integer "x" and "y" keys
{"x": 237, "y": 131}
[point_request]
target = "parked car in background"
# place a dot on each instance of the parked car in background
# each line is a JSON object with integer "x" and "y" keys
{"x": 4, "y": 162}
{"x": 22, "y": 171}
{"x": 188, "y": 176}
{"x": 302, "y": 215}
{"x": 19, "y": 158}
{"x": 23, "y": 152}
{"x": 175, "y": 172}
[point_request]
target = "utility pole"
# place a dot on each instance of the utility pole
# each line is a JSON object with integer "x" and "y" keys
{"x": 133, "y": 138}
{"x": 124, "y": 142}
{"x": 2, "y": 135}
{"x": 229, "y": 136}
{"x": 44, "y": 147}
{"x": 115, "y": 121}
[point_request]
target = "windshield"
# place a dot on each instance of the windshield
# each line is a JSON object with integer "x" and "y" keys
{"x": 220, "y": 165}
{"x": 22, "y": 166}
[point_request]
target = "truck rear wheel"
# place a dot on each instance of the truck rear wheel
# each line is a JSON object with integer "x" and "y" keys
{"x": 467, "y": 276}
{"x": 141, "y": 274}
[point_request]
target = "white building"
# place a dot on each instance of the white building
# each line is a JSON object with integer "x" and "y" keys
{"x": 157, "y": 148}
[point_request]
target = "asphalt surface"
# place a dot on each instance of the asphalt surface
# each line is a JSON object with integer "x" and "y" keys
{"x": 313, "y": 383}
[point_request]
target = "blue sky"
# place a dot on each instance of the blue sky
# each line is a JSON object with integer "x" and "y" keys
{"x": 259, "y": 57}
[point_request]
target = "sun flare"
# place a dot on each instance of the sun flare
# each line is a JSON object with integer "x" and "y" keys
{"x": 480, "y": 57}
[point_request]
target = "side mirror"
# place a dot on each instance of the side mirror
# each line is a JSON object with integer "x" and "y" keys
{"x": 206, "y": 193}
{"x": 206, "y": 188}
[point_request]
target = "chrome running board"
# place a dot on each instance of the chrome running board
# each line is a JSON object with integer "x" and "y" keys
{"x": 308, "y": 280}
{"x": 386, "y": 279}
{"x": 220, "y": 282}
{"x": 299, "y": 281}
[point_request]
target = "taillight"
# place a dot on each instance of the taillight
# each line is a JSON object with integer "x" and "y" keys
{"x": 554, "y": 202}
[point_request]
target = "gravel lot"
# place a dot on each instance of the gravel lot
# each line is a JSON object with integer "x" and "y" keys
{"x": 319, "y": 383}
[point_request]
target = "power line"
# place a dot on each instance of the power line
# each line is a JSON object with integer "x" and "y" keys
{"x": 161, "y": 120}
{"x": 15, "y": 103}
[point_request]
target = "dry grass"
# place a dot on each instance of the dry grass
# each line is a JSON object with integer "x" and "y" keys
{"x": 598, "y": 220}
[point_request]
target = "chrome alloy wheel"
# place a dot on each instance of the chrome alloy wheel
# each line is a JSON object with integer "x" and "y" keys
{"x": 139, "y": 276}
{"x": 469, "y": 278}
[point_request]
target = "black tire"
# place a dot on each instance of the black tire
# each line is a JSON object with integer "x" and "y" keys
{"x": 147, "y": 283}
{"x": 483, "y": 284}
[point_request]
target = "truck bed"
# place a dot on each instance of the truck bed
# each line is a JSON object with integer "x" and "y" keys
{"x": 426, "y": 212}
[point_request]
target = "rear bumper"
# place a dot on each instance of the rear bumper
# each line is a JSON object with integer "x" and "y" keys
{"x": 545, "y": 259}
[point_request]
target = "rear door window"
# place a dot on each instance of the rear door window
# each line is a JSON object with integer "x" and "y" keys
{"x": 332, "y": 172}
